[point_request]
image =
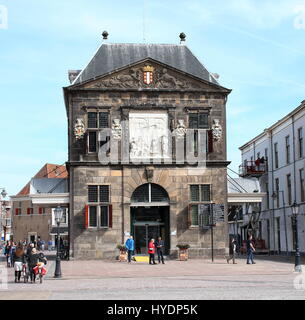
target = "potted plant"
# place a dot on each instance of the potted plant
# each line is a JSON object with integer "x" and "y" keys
{"x": 183, "y": 251}
{"x": 123, "y": 252}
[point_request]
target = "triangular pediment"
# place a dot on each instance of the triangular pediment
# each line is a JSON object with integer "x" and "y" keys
{"x": 150, "y": 74}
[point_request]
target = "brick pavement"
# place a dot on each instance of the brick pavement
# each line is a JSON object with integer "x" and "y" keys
{"x": 193, "y": 279}
{"x": 196, "y": 267}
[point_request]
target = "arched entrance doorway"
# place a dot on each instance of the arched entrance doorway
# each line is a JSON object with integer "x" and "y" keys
{"x": 149, "y": 213}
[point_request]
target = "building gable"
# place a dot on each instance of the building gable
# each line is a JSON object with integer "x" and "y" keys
{"x": 150, "y": 74}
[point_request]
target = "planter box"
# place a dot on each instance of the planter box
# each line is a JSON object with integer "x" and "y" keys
{"x": 123, "y": 256}
{"x": 183, "y": 254}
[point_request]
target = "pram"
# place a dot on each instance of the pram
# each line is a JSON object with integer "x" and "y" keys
{"x": 40, "y": 270}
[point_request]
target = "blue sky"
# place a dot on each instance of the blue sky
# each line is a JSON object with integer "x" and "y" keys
{"x": 256, "y": 46}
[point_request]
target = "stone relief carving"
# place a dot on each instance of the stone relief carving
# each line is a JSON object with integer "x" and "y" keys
{"x": 161, "y": 79}
{"x": 216, "y": 130}
{"x": 116, "y": 129}
{"x": 148, "y": 135}
{"x": 180, "y": 130}
{"x": 79, "y": 129}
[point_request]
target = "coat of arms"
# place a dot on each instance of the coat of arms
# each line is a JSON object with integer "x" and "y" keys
{"x": 148, "y": 74}
{"x": 79, "y": 129}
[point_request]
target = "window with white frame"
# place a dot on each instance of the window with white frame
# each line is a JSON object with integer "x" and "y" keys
{"x": 96, "y": 121}
{"x": 199, "y": 194}
{"x": 99, "y": 209}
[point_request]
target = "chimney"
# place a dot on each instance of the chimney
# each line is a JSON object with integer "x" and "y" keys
{"x": 73, "y": 75}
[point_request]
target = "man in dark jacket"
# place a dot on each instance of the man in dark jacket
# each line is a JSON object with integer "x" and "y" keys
{"x": 160, "y": 249}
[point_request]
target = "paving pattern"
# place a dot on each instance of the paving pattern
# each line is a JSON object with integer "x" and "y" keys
{"x": 193, "y": 279}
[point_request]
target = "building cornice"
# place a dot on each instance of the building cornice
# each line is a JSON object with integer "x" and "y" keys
{"x": 274, "y": 126}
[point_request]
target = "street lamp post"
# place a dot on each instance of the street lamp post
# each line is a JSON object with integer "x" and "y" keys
{"x": 295, "y": 212}
{"x": 3, "y": 196}
{"x": 58, "y": 212}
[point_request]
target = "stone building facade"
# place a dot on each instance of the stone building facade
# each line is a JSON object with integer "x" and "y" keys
{"x": 139, "y": 105}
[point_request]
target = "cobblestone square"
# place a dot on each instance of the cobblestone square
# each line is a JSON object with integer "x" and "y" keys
{"x": 177, "y": 280}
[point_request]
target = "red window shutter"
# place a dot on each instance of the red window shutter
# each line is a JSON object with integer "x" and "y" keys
{"x": 86, "y": 216}
{"x": 28, "y": 211}
{"x": 40, "y": 210}
{"x": 16, "y": 211}
{"x": 210, "y": 141}
{"x": 110, "y": 216}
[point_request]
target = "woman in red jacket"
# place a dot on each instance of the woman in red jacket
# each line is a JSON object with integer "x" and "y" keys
{"x": 152, "y": 251}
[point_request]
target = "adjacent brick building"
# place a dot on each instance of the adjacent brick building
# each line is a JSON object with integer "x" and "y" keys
{"x": 33, "y": 206}
{"x": 150, "y": 97}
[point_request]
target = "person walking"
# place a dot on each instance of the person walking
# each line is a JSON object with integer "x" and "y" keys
{"x": 7, "y": 253}
{"x": 18, "y": 261}
{"x": 152, "y": 251}
{"x": 250, "y": 250}
{"x": 160, "y": 249}
{"x": 129, "y": 244}
{"x": 11, "y": 253}
{"x": 233, "y": 248}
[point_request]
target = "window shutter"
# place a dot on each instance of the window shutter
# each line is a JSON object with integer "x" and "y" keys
{"x": 86, "y": 216}
{"x": 110, "y": 216}
{"x": 28, "y": 211}
{"x": 16, "y": 211}
{"x": 40, "y": 211}
{"x": 189, "y": 218}
{"x": 210, "y": 141}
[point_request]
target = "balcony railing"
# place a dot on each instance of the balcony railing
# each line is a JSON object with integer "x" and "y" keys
{"x": 253, "y": 169}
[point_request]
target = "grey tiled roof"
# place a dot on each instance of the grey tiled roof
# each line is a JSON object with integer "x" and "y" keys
{"x": 110, "y": 57}
{"x": 242, "y": 185}
{"x": 48, "y": 185}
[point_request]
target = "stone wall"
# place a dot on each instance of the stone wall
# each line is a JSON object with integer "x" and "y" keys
{"x": 85, "y": 169}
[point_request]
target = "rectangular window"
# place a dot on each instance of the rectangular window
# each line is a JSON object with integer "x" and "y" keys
{"x": 96, "y": 120}
{"x": 92, "y": 193}
{"x": 92, "y": 120}
{"x": 194, "y": 215}
{"x": 276, "y": 156}
{"x": 100, "y": 214}
{"x": 205, "y": 192}
{"x": 92, "y": 141}
{"x": 302, "y": 191}
{"x": 92, "y": 216}
{"x": 199, "y": 121}
{"x": 104, "y": 193}
{"x": 201, "y": 194}
{"x": 277, "y": 189}
{"x": 104, "y": 221}
{"x": 300, "y": 139}
{"x": 289, "y": 188}
{"x": 287, "y": 141}
{"x": 194, "y": 193}
{"x": 103, "y": 120}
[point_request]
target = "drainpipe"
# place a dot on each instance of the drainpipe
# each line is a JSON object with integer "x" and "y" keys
{"x": 123, "y": 204}
{"x": 272, "y": 184}
{"x": 294, "y": 165}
